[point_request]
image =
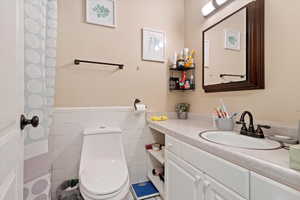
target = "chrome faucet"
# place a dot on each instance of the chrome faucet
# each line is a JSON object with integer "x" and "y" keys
{"x": 250, "y": 131}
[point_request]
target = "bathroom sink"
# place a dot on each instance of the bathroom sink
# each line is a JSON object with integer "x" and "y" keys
{"x": 233, "y": 139}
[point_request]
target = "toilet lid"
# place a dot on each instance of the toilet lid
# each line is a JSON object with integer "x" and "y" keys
{"x": 104, "y": 177}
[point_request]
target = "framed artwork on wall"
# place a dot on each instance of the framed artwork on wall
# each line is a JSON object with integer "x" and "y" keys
{"x": 101, "y": 12}
{"x": 232, "y": 40}
{"x": 154, "y": 45}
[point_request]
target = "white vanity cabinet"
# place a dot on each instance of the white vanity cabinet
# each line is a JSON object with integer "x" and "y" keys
{"x": 193, "y": 174}
{"x": 234, "y": 178}
{"x": 265, "y": 188}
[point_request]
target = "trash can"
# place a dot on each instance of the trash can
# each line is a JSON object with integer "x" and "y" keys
{"x": 69, "y": 190}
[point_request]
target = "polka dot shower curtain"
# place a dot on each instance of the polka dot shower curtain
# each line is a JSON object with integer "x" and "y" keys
{"x": 40, "y": 62}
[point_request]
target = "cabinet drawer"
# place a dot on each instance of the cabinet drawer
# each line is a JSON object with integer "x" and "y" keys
{"x": 232, "y": 176}
{"x": 174, "y": 146}
{"x": 264, "y": 188}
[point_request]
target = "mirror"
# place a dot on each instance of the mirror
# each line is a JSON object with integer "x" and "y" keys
{"x": 233, "y": 51}
{"x": 227, "y": 43}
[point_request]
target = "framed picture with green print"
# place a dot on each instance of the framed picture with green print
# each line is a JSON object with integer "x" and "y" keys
{"x": 101, "y": 12}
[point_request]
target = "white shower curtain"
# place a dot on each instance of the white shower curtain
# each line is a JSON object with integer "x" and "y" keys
{"x": 40, "y": 62}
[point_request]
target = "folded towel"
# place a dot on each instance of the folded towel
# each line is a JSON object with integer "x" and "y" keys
{"x": 159, "y": 118}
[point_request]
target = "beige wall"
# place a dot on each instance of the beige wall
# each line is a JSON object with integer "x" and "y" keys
{"x": 95, "y": 86}
{"x": 280, "y": 101}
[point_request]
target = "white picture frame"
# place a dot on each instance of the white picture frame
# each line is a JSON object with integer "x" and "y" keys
{"x": 153, "y": 45}
{"x": 233, "y": 40}
{"x": 101, "y": 12}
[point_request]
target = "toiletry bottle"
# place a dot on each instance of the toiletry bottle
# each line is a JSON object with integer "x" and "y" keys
{"x": 177, "y": 83}
{"x": 180, "y": 63}
{"x": 193, "y": 53}
{"x": 182, "y": 81}
{"x": 192, "y": 82}
{"x": 186, "y": 57}
{"x": 180, "y": 60}
{"x": 187, "y": 84}
{"x": 189, "y": 62}
{"x": 181, "y": 55}
{"x": 185, "y": 53}
{"x": 174, "y": 62}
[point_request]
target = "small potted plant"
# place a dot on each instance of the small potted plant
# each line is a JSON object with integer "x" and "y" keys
{"x": 182, "y": 110}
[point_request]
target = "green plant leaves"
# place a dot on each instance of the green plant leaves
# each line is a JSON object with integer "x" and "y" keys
{"x": 101, "y": 11}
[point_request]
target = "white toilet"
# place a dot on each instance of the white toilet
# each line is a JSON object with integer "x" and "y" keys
{"x": 103, "y": 172}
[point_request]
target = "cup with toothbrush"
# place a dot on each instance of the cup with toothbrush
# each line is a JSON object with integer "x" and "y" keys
{"x": 223, "y": 120}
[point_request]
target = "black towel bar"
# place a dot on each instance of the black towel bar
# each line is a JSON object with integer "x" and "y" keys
{"x": 77, "y": 62}
{"x": 232, "y": 75}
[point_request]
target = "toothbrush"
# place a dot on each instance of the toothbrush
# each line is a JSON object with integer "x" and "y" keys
{"x": 224, "y": 108}
{"x": 223, "y": 114}
{"x": 218, "y": 113}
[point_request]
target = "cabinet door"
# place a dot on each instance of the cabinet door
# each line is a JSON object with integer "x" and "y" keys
{"x": 182, "y": 181}
{"x": 216, "y": 191}
{"x": 264, "y": 188}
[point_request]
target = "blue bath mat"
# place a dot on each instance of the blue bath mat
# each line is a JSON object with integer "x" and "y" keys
{"x": 144, "y": 190}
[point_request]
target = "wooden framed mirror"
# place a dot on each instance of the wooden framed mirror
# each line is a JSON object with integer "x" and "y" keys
{"x": 233, "y": 51}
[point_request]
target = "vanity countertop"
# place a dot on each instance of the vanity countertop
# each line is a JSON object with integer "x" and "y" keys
{"x": 273, "y": 164}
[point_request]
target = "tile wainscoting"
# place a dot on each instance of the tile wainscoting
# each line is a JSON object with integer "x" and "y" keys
{"x": 65, "y": 140}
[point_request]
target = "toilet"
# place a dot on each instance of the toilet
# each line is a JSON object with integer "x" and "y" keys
{"x": 103, "y": 172}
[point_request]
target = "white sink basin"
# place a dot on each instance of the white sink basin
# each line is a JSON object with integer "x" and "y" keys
{"x": 236, "y": 140}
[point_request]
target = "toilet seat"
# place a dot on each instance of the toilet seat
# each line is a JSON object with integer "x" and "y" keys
{"x": 115, "y": 196}
{"x": 103, "y": 179}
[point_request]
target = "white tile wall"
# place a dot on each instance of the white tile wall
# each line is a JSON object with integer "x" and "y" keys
{"x": 66, "y": 139}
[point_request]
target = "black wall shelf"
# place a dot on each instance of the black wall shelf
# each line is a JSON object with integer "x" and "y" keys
{"x": 175, "y": 76}
{"x": 182, "y": 69}
{"x": 178, "y": 89}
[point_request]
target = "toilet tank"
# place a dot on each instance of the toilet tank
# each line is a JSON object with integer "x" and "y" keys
{"x": 102, "y": 144}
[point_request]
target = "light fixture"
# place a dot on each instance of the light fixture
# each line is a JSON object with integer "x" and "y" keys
{"x": 208, "y": 8}
{"x": 221, "y": 2}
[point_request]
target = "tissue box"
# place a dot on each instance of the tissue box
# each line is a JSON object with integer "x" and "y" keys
{"x": 295, "y": 157}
